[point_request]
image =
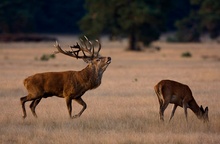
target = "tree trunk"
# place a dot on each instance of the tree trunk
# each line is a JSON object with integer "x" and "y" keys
{"x": 133, "y": 42}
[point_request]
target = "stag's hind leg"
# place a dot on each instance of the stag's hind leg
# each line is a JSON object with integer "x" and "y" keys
{"x": 33, "y": 105}
{"x": 23, "y": 101}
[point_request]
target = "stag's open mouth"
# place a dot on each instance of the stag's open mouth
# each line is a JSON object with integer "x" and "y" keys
{"x": 109, "y": 60}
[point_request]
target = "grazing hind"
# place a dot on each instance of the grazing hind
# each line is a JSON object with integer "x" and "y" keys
{"x": 169, "y": 91}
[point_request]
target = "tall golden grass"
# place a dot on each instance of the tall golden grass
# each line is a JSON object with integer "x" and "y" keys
{"x": 124, "y": 109}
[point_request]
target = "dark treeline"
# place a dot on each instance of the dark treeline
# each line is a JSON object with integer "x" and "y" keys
{"x": 59, "y": 16}
{"x": 40, "y": 16}
{"x": 139, "y": 20}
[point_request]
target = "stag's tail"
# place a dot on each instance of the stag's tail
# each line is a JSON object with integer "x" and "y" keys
{"x": 25, "y": 82}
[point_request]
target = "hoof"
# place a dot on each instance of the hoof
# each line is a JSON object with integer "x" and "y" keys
{"x": 75, "y": 116}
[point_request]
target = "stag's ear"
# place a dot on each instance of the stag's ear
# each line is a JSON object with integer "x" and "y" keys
{"x": 87, "y": 60}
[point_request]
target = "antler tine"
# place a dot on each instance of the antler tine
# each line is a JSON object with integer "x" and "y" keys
{"x": 86, "y": 38}
{"x": 75, "y": 52}
{"x": 83, "y": 42}
{"x": 81, "y": 47}
{"x": 99, "y": 47}
{"x": 90, "y": 43}
{"x": 92, "y": 48}
{"x": 89, "y": 50}
{"x": 60, "y": 50}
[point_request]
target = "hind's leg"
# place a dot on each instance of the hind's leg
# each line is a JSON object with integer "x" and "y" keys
{"x": 162, "y": 109}
{"x": 163, "y": 104}
{"x": 185, "y": 110}
{"x": 33, "y": 105}
{"x": 173, "y": 111}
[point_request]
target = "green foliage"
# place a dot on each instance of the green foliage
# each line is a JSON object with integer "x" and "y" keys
{"x": 189, "y": 29}
{"x": 186, "y": 54}
{"x": 172, "y": 39}
{"x": 210, "y": 15}
{"x": 139, "y": 20}
{"x": 46, "y": 57}
{"x": 204, "y": 17}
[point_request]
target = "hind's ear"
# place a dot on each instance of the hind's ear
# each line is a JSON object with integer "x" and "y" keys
{"x": 206, "y": 109}
{"x": 201, "y": 108}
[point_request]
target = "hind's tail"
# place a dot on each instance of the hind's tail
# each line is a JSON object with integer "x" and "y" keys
{"x": 158, "y": 90}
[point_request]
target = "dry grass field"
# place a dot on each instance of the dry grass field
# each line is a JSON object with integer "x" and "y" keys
{"x": 124, "y": 109}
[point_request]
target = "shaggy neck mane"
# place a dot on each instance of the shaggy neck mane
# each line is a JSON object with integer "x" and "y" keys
{"x": 91, "y": 76}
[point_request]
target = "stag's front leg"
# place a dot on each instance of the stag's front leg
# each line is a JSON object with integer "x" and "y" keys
{"x": 81, "y": 102}
{"x": 69, "y": 106}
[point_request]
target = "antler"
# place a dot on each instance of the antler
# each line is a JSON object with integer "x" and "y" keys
{"x": 99, "y": 48}
{"x": 82, "y": 47}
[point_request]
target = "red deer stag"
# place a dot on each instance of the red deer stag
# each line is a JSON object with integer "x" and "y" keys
{"x": 70, "y": 85}
{"x": 169, "y": 91}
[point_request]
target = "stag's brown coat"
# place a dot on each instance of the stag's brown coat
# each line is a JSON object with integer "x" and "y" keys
{"x": 70, "y": 85}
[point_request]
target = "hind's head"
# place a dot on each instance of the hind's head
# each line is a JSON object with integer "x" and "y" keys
{"x": 204, "y": 114}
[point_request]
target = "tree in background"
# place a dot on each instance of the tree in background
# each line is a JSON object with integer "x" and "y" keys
{"x": 204, "y": 17}
{"x": 210, "y": 16}
{"x": 140, "y": 21}
{"x": 189, "y": 28}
